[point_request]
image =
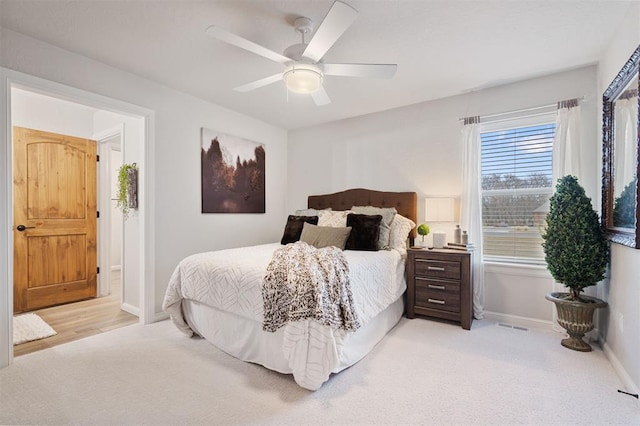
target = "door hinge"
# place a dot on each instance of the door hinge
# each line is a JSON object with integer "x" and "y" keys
{"x": 97, "y": 213}
{"x": 98, "y": 270}
{"x": 97, "y": 157}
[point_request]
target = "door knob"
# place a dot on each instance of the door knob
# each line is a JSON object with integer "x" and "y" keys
{"x": 22, "y": 227}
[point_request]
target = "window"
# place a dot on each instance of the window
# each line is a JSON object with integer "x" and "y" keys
{"x": 517, "y": 183}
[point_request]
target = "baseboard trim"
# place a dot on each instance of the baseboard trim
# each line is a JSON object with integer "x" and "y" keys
{"x": 160, "y": 316}
{"x": 133, "y": 310}
{"x": 520, "y": 321}
{"x": 627, "y": 381}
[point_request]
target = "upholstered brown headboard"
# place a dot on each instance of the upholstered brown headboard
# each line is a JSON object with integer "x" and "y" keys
{"x": 406, "y": 203}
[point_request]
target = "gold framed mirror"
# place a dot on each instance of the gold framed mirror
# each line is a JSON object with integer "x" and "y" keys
{"x": 620, "y": 153}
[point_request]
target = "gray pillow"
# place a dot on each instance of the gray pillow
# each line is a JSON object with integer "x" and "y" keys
{"x": 309, "y": 212}
{"x": 387, "y": 213}
{"x": 325, "y": 236}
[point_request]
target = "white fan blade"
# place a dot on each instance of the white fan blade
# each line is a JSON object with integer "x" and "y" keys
{"x": 338, "y": 19}
{"x": 259, "y": 83}
{"x": 360, "y": 70}
{"x": 320, "y": 97}
{"x": 245, "y": 44}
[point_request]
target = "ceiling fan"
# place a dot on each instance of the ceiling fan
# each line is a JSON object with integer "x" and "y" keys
{"x": 304, "y": 70}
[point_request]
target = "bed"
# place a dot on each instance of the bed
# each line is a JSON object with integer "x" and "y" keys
{"x": 218, "y": 296}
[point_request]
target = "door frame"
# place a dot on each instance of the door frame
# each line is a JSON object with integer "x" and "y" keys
{"x": 10, "y": 78}
{"x": 104, "y": 205}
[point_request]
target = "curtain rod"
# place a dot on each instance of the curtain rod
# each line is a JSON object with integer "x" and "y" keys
{"x": 499, "y": 114}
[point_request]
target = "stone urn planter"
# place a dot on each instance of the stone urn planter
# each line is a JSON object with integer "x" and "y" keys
{"x": 576, "y": 317}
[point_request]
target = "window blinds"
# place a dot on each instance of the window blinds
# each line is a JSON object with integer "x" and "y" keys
{"x": 516, "y": 164}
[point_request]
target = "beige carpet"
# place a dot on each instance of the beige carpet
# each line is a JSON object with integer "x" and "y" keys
{"x": 28, "y": 327}
{"x": 423, "y": 372}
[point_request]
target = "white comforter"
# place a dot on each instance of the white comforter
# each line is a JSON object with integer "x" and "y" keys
{"x": 231, "y": 281}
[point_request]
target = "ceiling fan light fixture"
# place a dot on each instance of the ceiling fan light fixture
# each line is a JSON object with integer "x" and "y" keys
{"x": 302, "y": 78}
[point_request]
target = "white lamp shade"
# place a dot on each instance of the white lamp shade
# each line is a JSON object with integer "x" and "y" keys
{"x": 438, "y": 210}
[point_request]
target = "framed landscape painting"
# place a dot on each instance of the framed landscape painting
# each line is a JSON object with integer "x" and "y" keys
{"x": 233, "y": 174}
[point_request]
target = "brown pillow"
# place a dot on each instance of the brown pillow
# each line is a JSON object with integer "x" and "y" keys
{"x": 293, "y": 228}
{"x": 387, "y": 213}
{"x": 324, "y": 236}
{"x": 365, "y": 231}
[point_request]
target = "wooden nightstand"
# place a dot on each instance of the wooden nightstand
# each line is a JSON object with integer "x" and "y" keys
{"x": 439, "y": 285}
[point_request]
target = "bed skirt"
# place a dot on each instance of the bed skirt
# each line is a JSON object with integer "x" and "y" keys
{"x": 244, "y": 339}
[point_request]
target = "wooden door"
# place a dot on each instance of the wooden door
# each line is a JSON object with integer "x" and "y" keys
{"x": 54, "y": 214}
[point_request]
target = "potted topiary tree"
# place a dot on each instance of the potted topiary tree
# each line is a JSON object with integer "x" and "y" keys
{"x": 576, "y": 252}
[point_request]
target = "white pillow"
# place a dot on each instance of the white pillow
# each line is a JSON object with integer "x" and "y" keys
{"x": 334, "y": 218}
{"x": 400, "y": 228}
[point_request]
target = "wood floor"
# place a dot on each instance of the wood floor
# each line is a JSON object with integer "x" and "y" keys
{"x": 78, "y": 320}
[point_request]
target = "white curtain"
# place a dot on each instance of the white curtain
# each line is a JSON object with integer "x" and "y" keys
{"x": 626, "y": 111}
{"x": 566, "y": 161}
{"x": 471, "y": 207}
{"x": 566, "y": 144}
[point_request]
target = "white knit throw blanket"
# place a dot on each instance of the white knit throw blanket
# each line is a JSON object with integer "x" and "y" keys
{"x": 305, "y": 282}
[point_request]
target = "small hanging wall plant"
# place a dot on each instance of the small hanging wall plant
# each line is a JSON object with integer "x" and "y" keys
{"x": 127, "y": 197}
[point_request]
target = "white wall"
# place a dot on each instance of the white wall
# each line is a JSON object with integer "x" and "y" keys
{"x": 418, "y": 148}
{"x": 621, "y": 325}
{"x": 35, "y": 111}
{"x": 178, "y": 227}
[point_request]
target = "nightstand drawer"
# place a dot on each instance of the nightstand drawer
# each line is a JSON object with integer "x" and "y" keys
{"x": 436, "y": 285}
{"x": 437, "y": 299}
{"x": 437, "y": 268}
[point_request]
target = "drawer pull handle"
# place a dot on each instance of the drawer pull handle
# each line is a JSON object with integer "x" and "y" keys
{"x": 435, "y": 268}
{"x": 438, "y": 287}
{"x": 439, "y": 302}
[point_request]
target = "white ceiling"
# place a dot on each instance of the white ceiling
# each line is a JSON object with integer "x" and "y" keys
{"x": 442, "y": 48}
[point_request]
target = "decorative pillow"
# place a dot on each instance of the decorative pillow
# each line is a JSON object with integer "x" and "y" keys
{"x": 335, "y": 218}
{"x": 387, "y": 213}
{"x": 324, "y": 236}
{"x": 400, "y": 228}
{"x": 365, "y": 231}
{"x": 293, "y": 228}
